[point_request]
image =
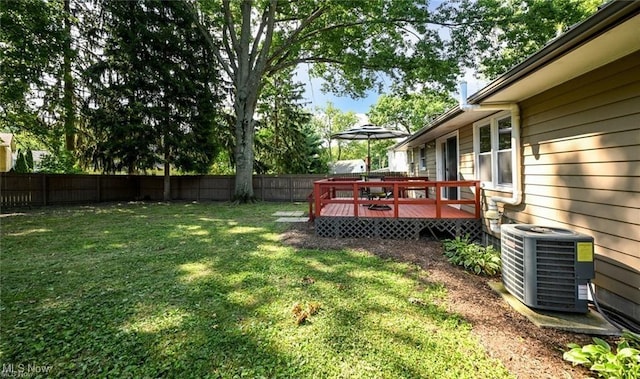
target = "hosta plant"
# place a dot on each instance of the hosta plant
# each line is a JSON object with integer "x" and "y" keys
{"x": 481, "y": 260}
{"x": 621, "y": 363}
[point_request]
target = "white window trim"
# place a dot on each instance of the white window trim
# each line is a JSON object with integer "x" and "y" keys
{"x": 492, "y": 121}
{"x": 423, "y": 157}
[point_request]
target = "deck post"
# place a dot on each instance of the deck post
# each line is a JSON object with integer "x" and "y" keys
{"x": 477, "y": 199}
{"x": 317, "y": 195}
{"x": 438, "y": 200}
{"x": 356, "y": 198}
{"x": 396, "y": 203}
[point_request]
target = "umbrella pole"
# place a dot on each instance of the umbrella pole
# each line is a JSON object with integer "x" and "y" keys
{"x": 368, "y": 156}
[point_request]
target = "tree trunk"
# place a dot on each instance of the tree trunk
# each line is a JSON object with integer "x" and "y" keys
{"x": 69, "y": 109}
{"x": 244, "y": 152}
{"x": 166, "y": 192}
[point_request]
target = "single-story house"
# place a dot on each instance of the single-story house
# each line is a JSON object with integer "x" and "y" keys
{"x": 7, "y": 147}
{"x": 556, "y": 141}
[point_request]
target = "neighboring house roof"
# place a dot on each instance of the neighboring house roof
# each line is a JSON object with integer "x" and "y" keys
{"x": 608, "y": 35}
{"x": 6, "y": 139}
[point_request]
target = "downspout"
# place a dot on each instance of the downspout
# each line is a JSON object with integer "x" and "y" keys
{"x": 492, "y": 213}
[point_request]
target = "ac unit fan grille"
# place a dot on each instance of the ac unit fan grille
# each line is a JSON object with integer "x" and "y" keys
{"x": 513, "y": 264}
{"x": 555, "y": 269}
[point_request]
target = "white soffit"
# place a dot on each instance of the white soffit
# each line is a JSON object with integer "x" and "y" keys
{"x": 446, "y": 127}
{"x": 611, "y": 45}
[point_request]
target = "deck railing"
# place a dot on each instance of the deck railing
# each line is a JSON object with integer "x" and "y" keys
{"x": 357, "y": 192}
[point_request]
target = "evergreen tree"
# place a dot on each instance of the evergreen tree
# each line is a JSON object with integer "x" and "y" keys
{"x": 281, "y": 139}
{"x": 21, "y": 163}
{"x": 152, "y": 100}
{"x": 28, "y": 156}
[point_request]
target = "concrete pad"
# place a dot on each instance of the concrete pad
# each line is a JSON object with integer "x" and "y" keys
{"x": 288, "y": 214}
{"x": 591, "y": 323}
{"x": 293, "y": 219}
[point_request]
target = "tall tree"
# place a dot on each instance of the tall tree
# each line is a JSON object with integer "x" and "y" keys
{"x": 282, "y": 139}
{"x": 44, "y": 50}
{"x": 348, "y": 42}
{"x": 152, "y": 100}
{"x": 409, "y": 112}
{"x": 32, "y": 37}
{"x": 68, "y": 55}
{"x": 493, "y": 35}
{"x": 330, "y": 120}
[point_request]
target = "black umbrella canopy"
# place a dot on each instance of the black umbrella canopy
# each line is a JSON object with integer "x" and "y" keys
{"x": 369, "y": 132}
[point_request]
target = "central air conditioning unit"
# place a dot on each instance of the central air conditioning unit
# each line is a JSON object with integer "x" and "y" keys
{"x": 547, "y": 268}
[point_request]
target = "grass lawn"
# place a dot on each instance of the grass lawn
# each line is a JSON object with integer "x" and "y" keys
{"x": 207, "y": 290}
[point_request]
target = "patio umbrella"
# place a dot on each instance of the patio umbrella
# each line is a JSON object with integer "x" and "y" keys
{"x": 369, "y": 132}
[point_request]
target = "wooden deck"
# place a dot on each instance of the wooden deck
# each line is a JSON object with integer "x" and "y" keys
{"x": 404, "y": 211}
{"x": 341, "y": 208}
{"x": 347, "y": 198}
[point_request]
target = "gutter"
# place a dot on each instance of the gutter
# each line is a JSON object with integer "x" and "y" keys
{"x": 492, "y": 213}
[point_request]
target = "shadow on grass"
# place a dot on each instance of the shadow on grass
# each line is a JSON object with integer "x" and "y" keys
{"x": 206, "y": 291}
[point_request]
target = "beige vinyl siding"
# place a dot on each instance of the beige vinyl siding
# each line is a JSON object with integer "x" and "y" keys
{"x": 429, "y": 171}
{"x": 581, "y": 158}
{"x": 466, "y": 153}
{"x": 431, "y": 166}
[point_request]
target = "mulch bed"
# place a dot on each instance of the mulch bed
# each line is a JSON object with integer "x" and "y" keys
{"x": 526, "y": 350}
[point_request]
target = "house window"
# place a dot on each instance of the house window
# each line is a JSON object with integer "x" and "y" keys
{"x": 423, "y": 158}
{"x": 493, "y": 150}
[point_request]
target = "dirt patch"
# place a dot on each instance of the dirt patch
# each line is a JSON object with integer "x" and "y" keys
{"x": 526, "y": 350}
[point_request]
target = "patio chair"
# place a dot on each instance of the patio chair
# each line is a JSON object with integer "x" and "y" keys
{"x": 377, "y": 192}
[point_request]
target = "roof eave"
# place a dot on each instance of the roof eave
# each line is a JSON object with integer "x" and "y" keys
{"x": 610, "y": 15}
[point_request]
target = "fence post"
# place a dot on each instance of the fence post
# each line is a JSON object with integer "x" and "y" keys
{"x": 199, "y": 185}
{"x": 98, "y": 192}
{"x": 290, "y": 189}
{"x": 44, "y": 189}
{"x": 261, "y": 181}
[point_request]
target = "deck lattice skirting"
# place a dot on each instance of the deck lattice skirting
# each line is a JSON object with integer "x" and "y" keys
{"x": 395, "y": 228}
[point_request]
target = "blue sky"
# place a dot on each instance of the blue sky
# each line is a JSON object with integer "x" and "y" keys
{"x": 316, "y": 98}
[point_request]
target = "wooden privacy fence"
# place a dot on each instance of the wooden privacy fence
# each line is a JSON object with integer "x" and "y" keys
{"x": 20, "y": 190}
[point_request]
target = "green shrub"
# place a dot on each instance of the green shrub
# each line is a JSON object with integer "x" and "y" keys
{"x": 61, "y": 163}
{"x": 481, "y": 260}
{"x": 624, "y": 363}
{"x": 22, "y": 162}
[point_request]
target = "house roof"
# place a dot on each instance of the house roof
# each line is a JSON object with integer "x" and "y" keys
{"x": 6, "y": 139}
{"x": 348, "y": 166}
{"x": 608, "y": 35}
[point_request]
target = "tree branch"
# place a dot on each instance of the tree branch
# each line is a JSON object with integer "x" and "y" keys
{"x": 284, "y": 64}
{"x": 258, "y": 68}
{"x": 228, "y": 49}
{"x": 209, "y": 39}
{"x": 230, "y": 26}
{"x": 292, "y": 38}
{"x": 256, "y": 41}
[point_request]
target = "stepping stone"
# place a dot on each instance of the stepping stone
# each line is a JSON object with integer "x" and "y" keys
{"x": 293, "y": 219}
{"x": 288, "y": 214}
